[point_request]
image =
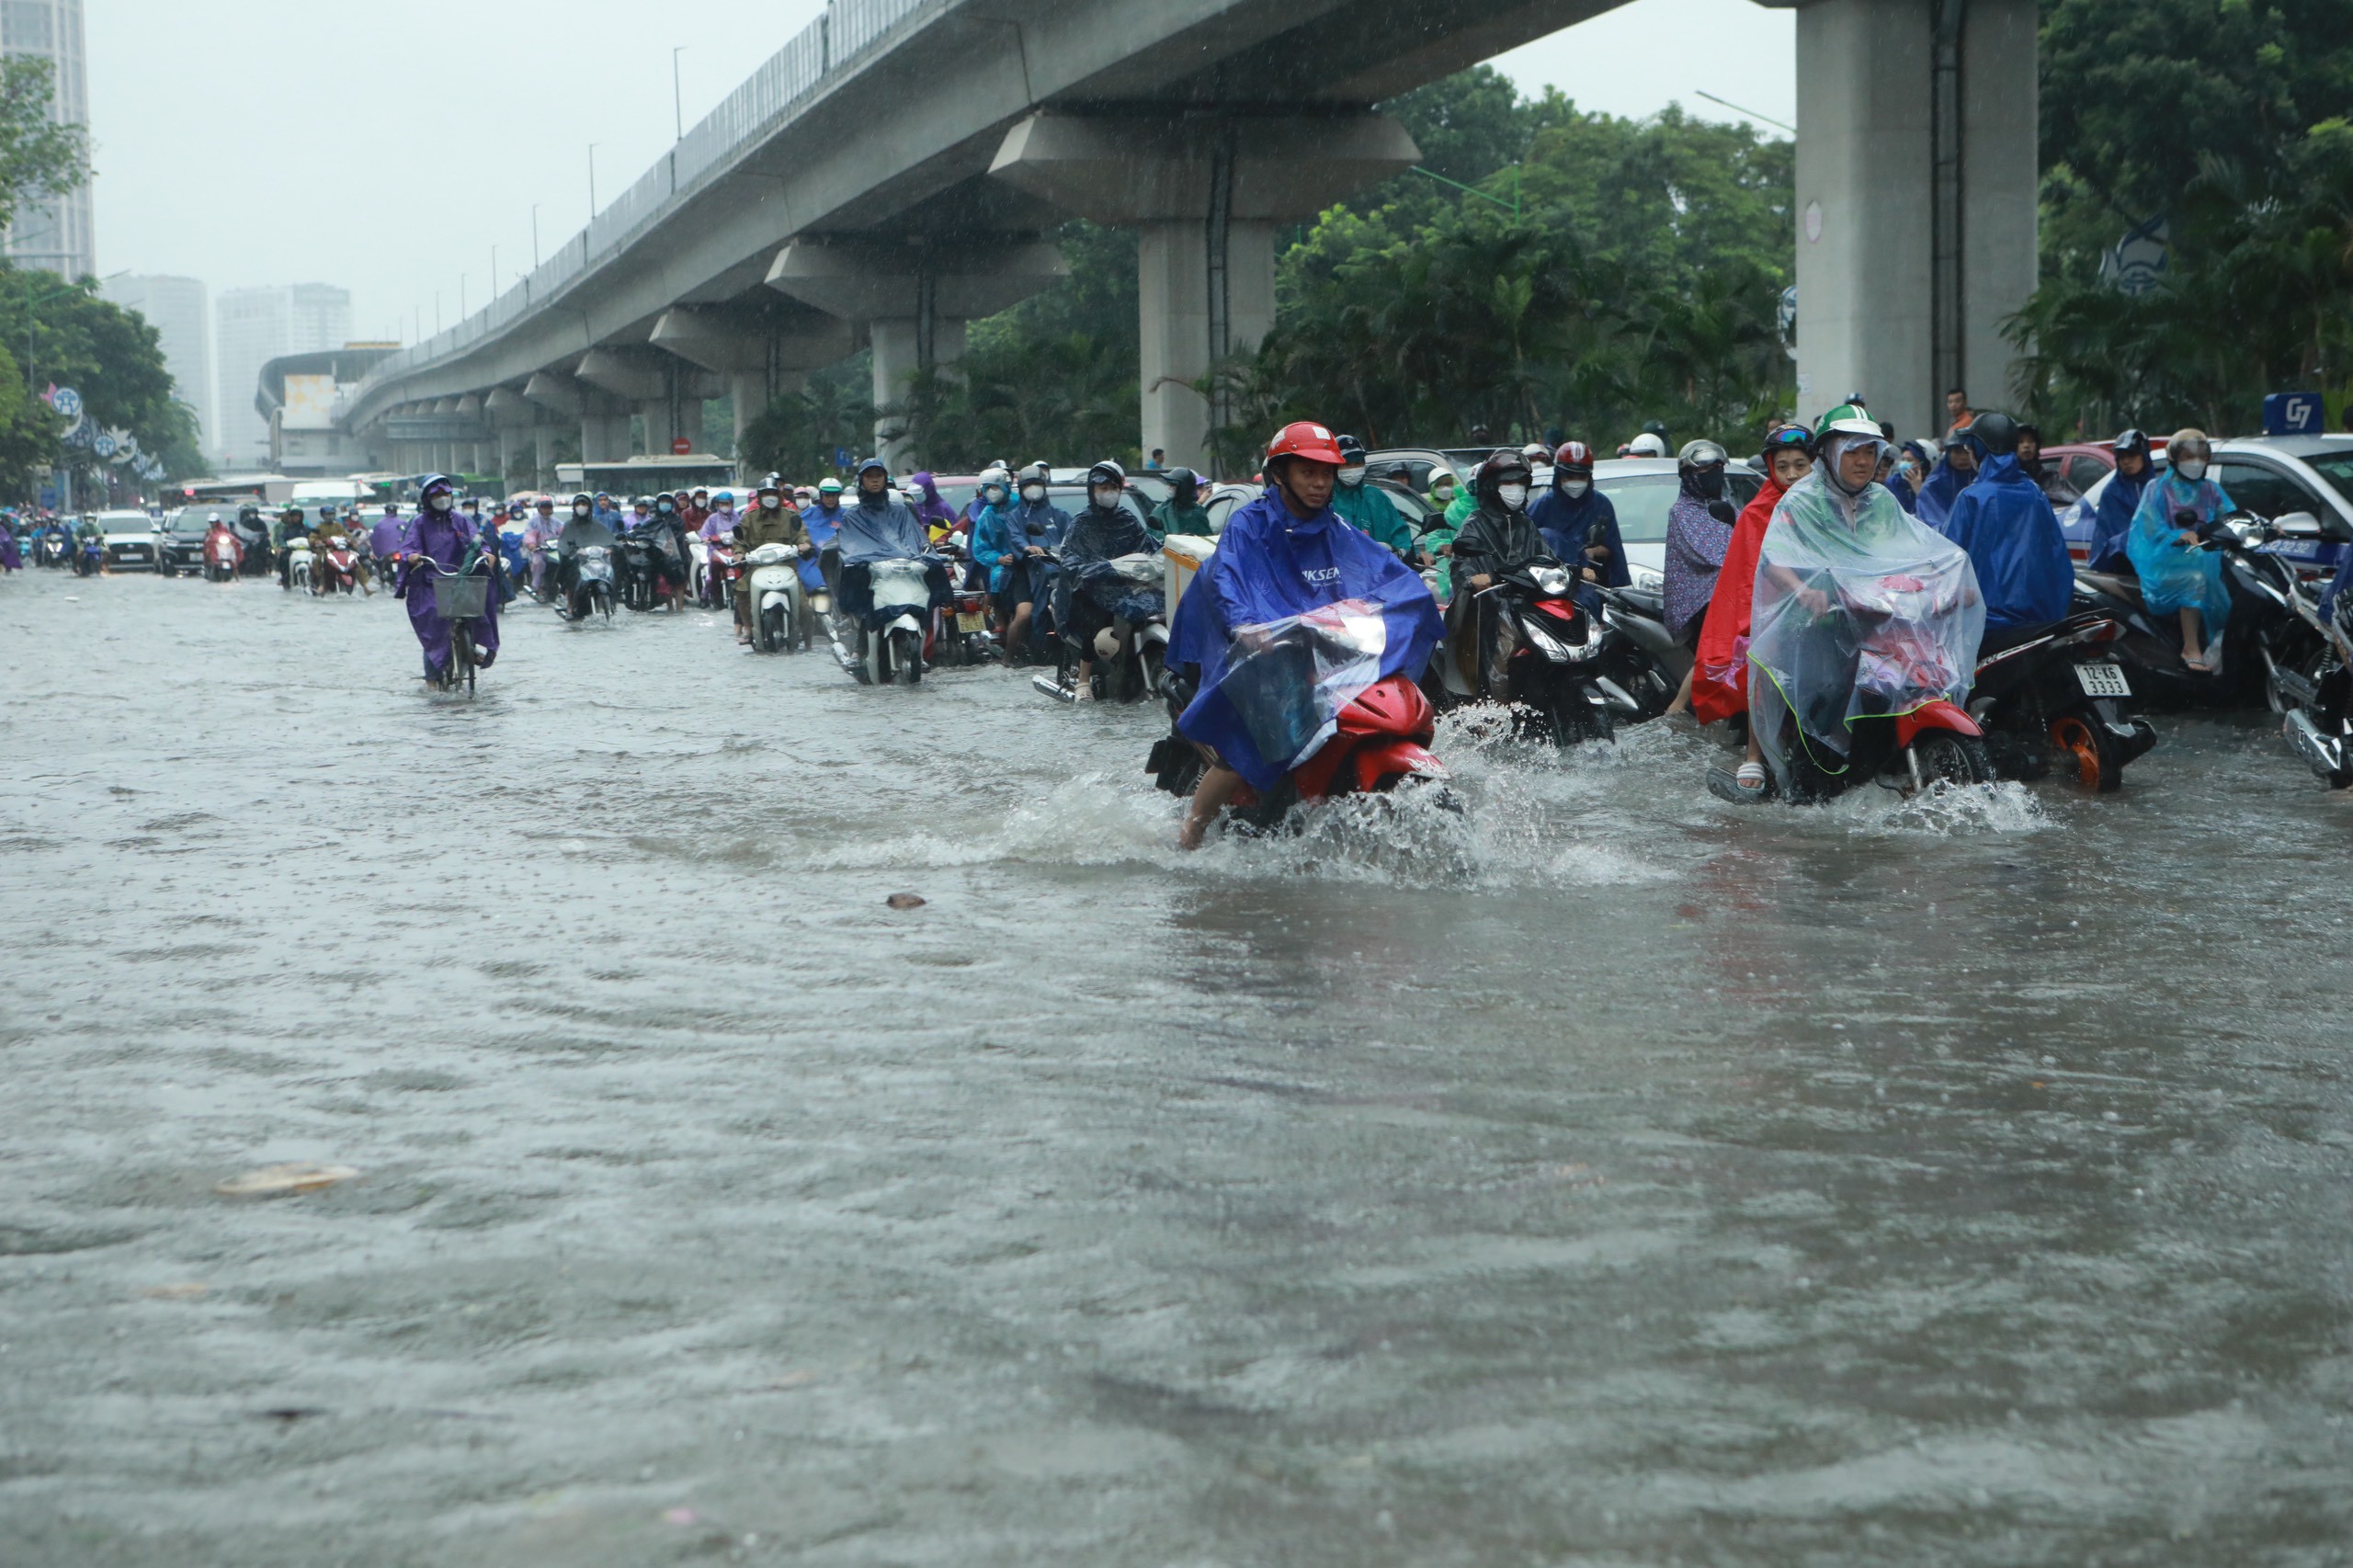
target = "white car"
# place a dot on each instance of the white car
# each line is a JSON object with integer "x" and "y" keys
{"x": 1642, "y": 489}
{"x": 2272, "y": 476}
{"x": 131, "y": 540}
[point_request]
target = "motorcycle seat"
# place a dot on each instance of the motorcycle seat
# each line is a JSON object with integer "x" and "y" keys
{"x": 2125, "y": 588}
{"x": 1999, "y": 638}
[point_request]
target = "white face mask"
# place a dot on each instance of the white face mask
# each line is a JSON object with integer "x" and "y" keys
{"x": 1033, "y": 492}
{"x": 1108, "y": 495}
{"x": 1513, "y": 495}
{"x": 1353, "y": 474}
{"x": 580, "y": 511}
{"x": 1573, "y": 488}
{"x": 439, "y": 503}
{"x": 2192, "y": 469}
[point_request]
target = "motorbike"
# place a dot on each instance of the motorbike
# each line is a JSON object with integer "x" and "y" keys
{"x": 337, "y": 571}
{"x": 643, "y": 563}
{"x": 540, "y": 566}
{"x": 1131, "y": 654}
{"x": 592, "y": 583}
{"x": 1382, "y": 744}
{"x": 2313, "y": 695}
{"x": 1936, "y": 743}
{"x": 1553, "y": 671}
{"x": 2261, "y": 634}
{"x": 54, "y": 551}
{"x": 90, "y": 556}
{"x": 780, "y": 613}
{"x": 220, "y": 561}
{"x": 1641, "y": 666}
{"x": 894, "y": 631}
{"x": 300, "y": 577}
{"x": 2055, "y": 696}
{"x": 959, "y": 628}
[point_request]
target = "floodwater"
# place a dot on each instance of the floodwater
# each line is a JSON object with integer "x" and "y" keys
{"x": 1605, "y": 1176}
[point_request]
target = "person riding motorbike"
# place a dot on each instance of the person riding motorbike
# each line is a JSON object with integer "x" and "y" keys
{"x": 583, "y": 530}
{"x": 937, "y": 517}
{"x": 1860, "y": 609}
{"x": 1182, "y": 513}
{"x": 1719, "y": 667}
{"x": 1699, "y": 531}
{"x": 1578, "y": 521}
{"x": 770, "y": 521}
{"x": 2175, "y": 575}
{"x": 2112, "y": 523}
{"x": 439, "y": 537}
{"x": 1496, "y": 540}
{"x": 291, "y": 529}
{"x": 2006, "y": 524}
{"x": 1366, "y": 508}
{"x": 1016, "y": 549}
{"x": 221, "y": 542}
{"x": 882, "y": 528}
{"x": 672, "y": 572}
{"x": 1282, "y": 555}
{"x": 714, "y": 528}
{"x": 1444, "y": 491}
{"x": 1091, "y": 595}
{"x": 1954, "y": 471}
{"x": 539, "y": 543}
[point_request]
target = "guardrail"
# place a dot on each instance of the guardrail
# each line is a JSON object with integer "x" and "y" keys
{"x": 846, "y": 32}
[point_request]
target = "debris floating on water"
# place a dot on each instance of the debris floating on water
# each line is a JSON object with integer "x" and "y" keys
{"x": 297, "y": 1176}
{"x": 192, "y": 1291}
{"x": 905, "y": 901}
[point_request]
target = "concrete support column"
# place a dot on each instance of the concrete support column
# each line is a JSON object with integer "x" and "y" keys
{"x": 543, "y": 455}
{"x": 1916, "y": 184}
{"x": 604, "y": 436}
{"x": 1208, "y": 194}
{"x": 660, "y": 423}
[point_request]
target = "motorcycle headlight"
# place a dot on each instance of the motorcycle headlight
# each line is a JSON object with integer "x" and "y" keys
{"x": 1546, "y": 643}
{"x": 1649, "y": 582}
{"x": 1551, "y": 580}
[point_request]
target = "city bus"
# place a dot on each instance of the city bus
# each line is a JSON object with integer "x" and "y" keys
{"x": 646, "y": 475}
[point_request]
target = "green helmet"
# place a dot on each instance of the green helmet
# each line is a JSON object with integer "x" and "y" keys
{"x": 1846, "y": 419}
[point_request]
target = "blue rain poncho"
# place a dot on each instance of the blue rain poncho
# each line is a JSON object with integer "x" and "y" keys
{"x": 2006, "y": 524}
{"x": 1941, "y": 488}
{"x": 2175, "y": 576}
{"x": 2112, "y": 523}
{"x": 881, "y": 529}
{"x": 1289, "y": 622}
{"x": 1010, "y": 530}
{"x": 1573, "y": 524}
{"x": 1899, "y": 630}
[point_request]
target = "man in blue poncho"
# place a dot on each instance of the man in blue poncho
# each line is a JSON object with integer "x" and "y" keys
{"x": 1018, "y": 543}
{"x": 1952, "y": 475}
{"x": 880, "y": 527}
{"x": 1280, "y": 556}
{"x": 2013, "y": 538}
{"x": 2112, "y": 523}
{"x": 1580, "y": 524}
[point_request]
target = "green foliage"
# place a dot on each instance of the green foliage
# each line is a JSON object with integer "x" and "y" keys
{"x": 797, "y": 434}
{"x": 39, "y": 157}
{"x": 2225, "y": 119}
{"x": 64, "y": 335}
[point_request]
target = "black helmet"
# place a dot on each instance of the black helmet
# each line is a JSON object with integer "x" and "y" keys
{"x": 1351, "y": 450}
{"x": 1502, "y": 464}
{"x": 2130, "y": 441}
{"x": 1700, "y": 454}
{"x": 1179, "y": 478}
{"x": 1992, "y": 432}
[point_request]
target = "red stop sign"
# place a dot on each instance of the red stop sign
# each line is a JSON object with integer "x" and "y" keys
{"x": 680, "y": 446}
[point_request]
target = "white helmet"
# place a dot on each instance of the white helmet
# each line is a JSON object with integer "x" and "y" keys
{"x": 1649, "y": 444}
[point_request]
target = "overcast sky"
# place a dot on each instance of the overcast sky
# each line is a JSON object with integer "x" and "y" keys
{"x": 388, "y": 147}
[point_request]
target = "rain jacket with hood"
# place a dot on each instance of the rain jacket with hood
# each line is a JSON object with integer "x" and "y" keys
{"x": 2112, "y": 523}
{"x": 1899, "y": 627}
{"x": 1365, "y": 509}
{"x": 1268, "y": 701}
{"x": 1720, "y": 675}
{"x": 935, "y": 514}
{"x": 1573, "y": 524}
{"x": 883, "y": 527}
{"x": 1097, "y": 537}
{"x": 1699, "y": 531}
{"x": 1011, "y": 529}
{"x": 1942, "y": 487}
{"x": 450, "y": 541}
{"x": 2006, "y": 524}
{"x": 2175, "y": 576}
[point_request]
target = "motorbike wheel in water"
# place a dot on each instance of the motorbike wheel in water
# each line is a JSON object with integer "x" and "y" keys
{"x": 907, "y": 657}
{"x": 1946, "y": 757}
{"x": 770, "y": 635}
{"x": 1574, "y": 721}
{"x": 2080, "y": 750}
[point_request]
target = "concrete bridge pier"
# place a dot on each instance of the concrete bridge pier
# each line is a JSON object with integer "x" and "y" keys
{"x": 757, "y": 356}
{"x": 914, "y": 301}
{"x": 1208, "y": 194}
{"x": 604, "y": 419}
{"x": 510, "y": 415}
{"x": 1916, "y": 183}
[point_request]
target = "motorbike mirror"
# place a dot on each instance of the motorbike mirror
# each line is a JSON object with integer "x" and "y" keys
{"x": 2297, "y": 525}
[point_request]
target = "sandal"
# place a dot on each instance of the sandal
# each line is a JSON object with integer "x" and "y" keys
{"x": 1750, "y": 778}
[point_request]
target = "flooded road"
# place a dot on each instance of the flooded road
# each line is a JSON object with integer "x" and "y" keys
{"x": 1605, "y": 1176}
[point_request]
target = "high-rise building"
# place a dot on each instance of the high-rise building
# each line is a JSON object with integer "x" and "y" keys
{"x": 255, "y": 326}
{"x": 55, "y": 234}
{"x": 180, "y": 310}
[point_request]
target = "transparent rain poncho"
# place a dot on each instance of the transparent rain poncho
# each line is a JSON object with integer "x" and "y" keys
{"x": 1860, "y": 611}
{"x": 1283, "y": 683}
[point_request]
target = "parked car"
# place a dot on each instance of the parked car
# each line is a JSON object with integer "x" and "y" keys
{"x": 2272, "y": 476}
{"x": 1643, "y": 490}
{"x": 132, "y": 540}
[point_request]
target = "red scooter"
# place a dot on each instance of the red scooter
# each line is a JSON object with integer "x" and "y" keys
{"x": 338, "y": 569}
{"x": 1383, "y": 742}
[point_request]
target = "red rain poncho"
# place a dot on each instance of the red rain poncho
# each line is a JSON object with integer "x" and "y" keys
{"x": 1719, "y": 676}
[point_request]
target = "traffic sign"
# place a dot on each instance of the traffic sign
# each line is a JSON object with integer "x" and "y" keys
{"x": 841, "y": 457}
{"x": 680, "y": 446}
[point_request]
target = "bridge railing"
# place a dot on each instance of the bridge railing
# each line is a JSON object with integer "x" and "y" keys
{"x": 840, "y": 37}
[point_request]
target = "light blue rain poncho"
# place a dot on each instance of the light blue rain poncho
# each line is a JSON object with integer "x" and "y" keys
{"x": 2174, "y": 575}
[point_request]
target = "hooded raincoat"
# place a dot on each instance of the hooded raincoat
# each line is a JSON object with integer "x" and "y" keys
{"x": 1720, "y": 674}
{"x": 2006, "y": 524}
{"x": 1365, "y": 509}
{"x": 1699, "y": 531}
{"x": 1940, "y": 489}
{"x": 2112, "y": 523}
{"x": 1011, "y": 529}
{"x": 2175, "y": 576}
{"x": 449, "y": 541}
{"x": 1899, "y": 630}
{"x": 1097, "y": 536}
{"x": 935, "y": 514}
{"x": 1289, "y": 622}
{"x": 1573, "y": 524}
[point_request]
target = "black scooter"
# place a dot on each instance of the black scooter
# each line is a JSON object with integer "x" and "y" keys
{"x": 1552, "y": 673}
{"x": 2056, "y": 697}
{"x": 2314, "y": 694}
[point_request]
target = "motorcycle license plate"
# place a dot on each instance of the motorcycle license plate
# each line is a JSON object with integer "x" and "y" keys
{"x": 969, "y": 621}
{"x": 2102, "y": 680}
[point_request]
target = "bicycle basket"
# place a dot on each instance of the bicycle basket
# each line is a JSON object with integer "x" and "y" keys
{"x": 459, "y": 598}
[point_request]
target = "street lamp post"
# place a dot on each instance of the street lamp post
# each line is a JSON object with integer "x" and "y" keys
{"x": 592, "y": 182}
{"x": 677, "y": 93}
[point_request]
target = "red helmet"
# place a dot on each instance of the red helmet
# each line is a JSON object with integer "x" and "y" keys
{"x": 1305, "y": 440}
{"x": 1575, "y": 457}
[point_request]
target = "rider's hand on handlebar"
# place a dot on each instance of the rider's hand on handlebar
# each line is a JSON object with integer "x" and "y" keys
{"x": 1481, "y": 580}
{"x": 1815, "y": 601}
{"x": 1037, "y": 550}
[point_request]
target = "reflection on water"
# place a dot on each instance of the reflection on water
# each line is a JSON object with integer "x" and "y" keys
{"x": 1582, "y": 1171}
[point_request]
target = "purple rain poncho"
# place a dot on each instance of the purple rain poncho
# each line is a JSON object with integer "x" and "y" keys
{"x": 1696, "y": 541}
{"x": 447, "y": 540}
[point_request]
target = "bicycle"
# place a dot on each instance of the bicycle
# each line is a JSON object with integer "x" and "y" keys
{"x": 460, "y": 598}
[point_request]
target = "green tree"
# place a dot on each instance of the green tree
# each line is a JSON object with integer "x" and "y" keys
{"x": 798, "y": 433}
{"x": 67, "y": 336}
{"x": 39, "y": 157}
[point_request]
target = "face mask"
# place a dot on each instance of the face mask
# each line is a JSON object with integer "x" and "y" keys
{"x": 1108, "y": 495}
{"x": 1709, "y": 483}
{"x": 1513, "y": 495}
{"x": 439, "y": 503}
{"x": 1352, "y": 475}
{"x": 1033, "y": 492}
{"x": 2192, "y": 469}
{"x": 1574, "y": 488}
{"x": 581, "y": 511}
{"x": 994, "y": 495}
